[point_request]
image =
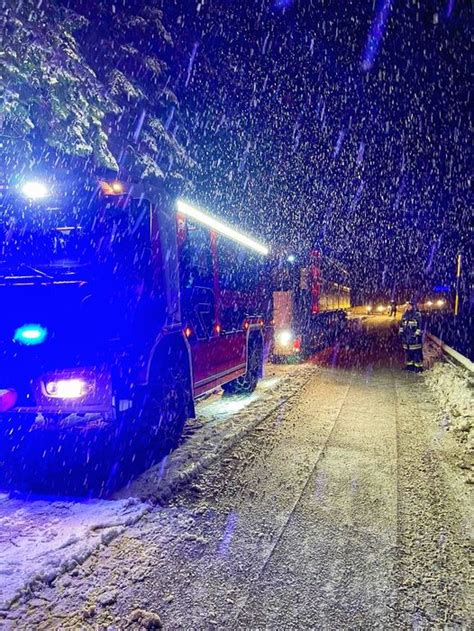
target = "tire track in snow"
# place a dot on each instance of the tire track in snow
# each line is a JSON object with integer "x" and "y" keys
{"x": 294, "y": 507}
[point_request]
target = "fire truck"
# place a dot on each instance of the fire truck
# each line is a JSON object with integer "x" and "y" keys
{"x": 311, "y": 298}
{"x": 121, "y": 305}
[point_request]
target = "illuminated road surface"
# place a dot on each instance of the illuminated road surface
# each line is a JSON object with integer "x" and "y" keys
{"x": 337, "y": 510}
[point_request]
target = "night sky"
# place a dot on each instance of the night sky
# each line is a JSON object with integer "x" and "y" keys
{"x": 333, "y": 124}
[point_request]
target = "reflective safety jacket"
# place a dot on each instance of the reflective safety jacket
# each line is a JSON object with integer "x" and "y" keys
{"x": 410, "y": 330}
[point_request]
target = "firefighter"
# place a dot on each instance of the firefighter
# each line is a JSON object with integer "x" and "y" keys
{"x": 393, "y": 308}
{"x": 410, "y": 333}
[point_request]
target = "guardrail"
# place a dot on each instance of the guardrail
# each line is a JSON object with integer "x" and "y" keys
{"x": 459, "y": 359}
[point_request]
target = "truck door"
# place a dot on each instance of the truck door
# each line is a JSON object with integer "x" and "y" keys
{"x": 198, "y": 299}
{"x": 236, "y": 279}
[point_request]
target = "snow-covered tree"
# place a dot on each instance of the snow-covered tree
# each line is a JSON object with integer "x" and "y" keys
{"x": 89, "y": 82}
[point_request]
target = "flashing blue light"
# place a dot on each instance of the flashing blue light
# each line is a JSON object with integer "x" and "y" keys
{"x": 291, "y": 258}
{"x": 441, "y": 288}
{"x": 30, "y": 334}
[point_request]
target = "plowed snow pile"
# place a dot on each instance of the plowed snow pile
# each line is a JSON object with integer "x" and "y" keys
{"x": 454, "y": 389}
{"x": 41, "y": 539}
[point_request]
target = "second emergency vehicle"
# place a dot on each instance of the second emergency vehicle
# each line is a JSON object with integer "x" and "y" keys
{"x": 311, "y": 298}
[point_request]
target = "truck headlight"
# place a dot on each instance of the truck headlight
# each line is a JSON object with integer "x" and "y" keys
{"x": 285, "y": 337}
{"x": 68, "y": 388}
{"x": 34, "y": 190}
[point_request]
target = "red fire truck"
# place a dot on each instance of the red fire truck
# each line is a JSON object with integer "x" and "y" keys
{"x": 121, "y": 306}
{"x": 311, "y": 298}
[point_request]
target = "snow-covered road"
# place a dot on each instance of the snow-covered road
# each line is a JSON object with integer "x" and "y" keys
{"x": 328, "y": 501}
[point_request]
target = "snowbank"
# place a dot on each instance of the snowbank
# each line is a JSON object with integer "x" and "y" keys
{"x": 40, "y": 539}
{"x": 454, "y": 389}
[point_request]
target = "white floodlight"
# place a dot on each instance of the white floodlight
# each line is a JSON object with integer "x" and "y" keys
{"x": 34, "y": 189}
{"x": 218, "y": 226}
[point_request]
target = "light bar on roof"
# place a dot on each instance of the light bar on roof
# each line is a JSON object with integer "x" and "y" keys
{"x": 188, "y": 210}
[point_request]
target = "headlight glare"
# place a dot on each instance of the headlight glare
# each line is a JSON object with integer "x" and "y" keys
{"x": 68, "y": 388}
{"x": 34, "y": 190}
{"x": 285, "y": 337}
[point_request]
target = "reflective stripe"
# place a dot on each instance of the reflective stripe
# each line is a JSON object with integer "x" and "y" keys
{"x": 409, "y": 363}
{"x": 413, "y": 347}
{"x": 418, "y": 364}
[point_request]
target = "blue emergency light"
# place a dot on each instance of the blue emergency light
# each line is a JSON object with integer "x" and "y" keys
{"x": 30, "y": 334}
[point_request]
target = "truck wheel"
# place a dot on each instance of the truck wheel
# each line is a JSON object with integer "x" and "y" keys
{"x": 248, "y": 382}
{"x": 165, "y": 405}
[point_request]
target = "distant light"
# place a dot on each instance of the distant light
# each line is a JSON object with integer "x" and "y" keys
{"x": 380, "y": 308}
{"x": 34, "y": 189}
{"x": 440, "y": 303}
{"x": 30, "y": 334}
{"x": 68, "y": 388}
{"x": 430, "y": 303}
{"x": 291, "y": 258}
{"x": 188, "y": 210}
{"x": 369, "y": 307}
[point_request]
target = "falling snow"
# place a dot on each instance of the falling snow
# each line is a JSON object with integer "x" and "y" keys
{"x": 213, "y": 216}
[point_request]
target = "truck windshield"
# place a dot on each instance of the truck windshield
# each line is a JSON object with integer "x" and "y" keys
{"x": 102, "y": 231}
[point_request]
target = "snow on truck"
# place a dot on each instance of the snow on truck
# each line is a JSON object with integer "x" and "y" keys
{"x": 311, "y": 298}
{"x": 121, "y": 304}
